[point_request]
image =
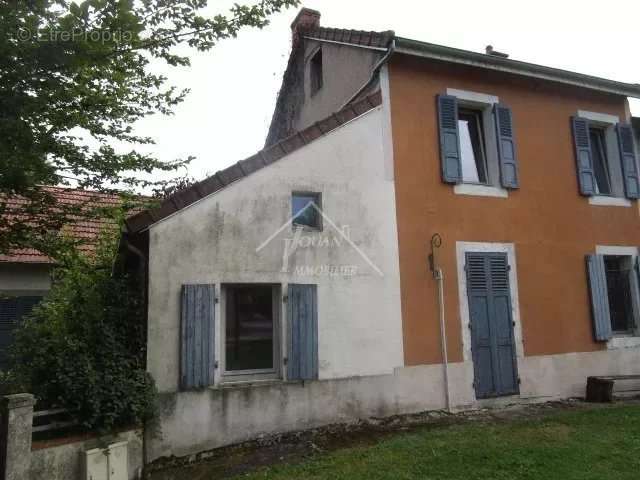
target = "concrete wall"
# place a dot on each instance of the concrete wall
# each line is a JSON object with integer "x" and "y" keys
{"x": 198, "y": 421}
{"x": 59, "y": 458}
{"x": 551, "y": 226}
{"x": 65, "y": 461}
{"x": 19, "y": 278}
{"x": 345, "y": 70}
{"x": 215, "y": 241}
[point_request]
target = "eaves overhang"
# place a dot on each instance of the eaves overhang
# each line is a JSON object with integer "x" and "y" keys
{"x": 432, "y": 51}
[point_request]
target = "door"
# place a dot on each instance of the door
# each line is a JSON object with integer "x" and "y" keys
{"x": 491, "y": 324}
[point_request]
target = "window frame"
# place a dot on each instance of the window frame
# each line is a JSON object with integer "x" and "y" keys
{"x": 317, "y": 201}
{"x": 632, "y": 338}
{"x": 607, "y": 123}
{"x": 481, "y": 130}
{"x": 601, "y": 133}
{"x": 633, "y": 314}
{"x": 485, "y": 104}
{"x": 316, "y": 72}
{"x": 236, "y": 376}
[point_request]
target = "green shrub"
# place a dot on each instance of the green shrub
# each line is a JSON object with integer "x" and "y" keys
{"x": 83, "y": 347}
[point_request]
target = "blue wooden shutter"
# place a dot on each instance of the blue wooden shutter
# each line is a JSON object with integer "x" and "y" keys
{"x": 506, "y": 146}
{"x": 628, "y": 161}
{"x": 302, "y": 332}
{"x": 493, "y": 344}
{"x": 478, "y": 291}
{"x": 449, "y": 139}
{"x": 197, "y": 332}
{"x": 584, "y": 158}
{"x": 507, "y": 371}
{"x": 599, "y": 298}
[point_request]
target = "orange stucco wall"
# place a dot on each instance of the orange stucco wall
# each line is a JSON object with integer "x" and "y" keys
{"x": 551, "y": 225}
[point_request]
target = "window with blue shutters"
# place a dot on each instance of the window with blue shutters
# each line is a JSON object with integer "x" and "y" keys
{"x": 613, "y": 291}
{"x": 477, "y": 143}
{"x": 605, "y": 158}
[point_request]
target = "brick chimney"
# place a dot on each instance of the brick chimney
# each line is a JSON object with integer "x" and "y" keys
{"x": 306, "y": 21}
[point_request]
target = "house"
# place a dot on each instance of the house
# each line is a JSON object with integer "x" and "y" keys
{"x": 25, "y": 274}
{"x": 462, "y": 232}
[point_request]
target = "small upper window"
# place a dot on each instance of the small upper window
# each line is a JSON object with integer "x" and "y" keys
{"x": 306, "y": 210}
{"x": 472, "y": 146}
{"x": 315, "y": 72}
{"x": 619, "y": 271}
{"x": 600, "y": 161}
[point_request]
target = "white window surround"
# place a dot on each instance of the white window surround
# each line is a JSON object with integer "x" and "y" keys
{"x": 624, "y": 340}
{"x": 601, "y": 118}
{"x": 486, "y": 102}
{"x": 480, "y": 190}
{"x": 482, "y": 99}
{"x": 510, "y": 250}
{"x": 607, "y": 201}
{"x": 607, "y": 121}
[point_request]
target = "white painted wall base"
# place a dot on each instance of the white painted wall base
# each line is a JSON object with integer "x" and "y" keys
{"x": 192, "y": 422}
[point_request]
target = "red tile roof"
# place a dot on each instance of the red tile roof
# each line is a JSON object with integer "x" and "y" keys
{"x": 243, "y": 168}
{"x": 84, "y": 229}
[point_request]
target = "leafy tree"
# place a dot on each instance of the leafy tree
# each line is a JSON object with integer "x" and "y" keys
{"x": 179, "y": 183}
{"x": 83, "y": 348}
{"x": 74, "y": 78}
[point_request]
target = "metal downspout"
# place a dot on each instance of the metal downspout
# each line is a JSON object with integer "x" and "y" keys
{"x": 438, "y": 275}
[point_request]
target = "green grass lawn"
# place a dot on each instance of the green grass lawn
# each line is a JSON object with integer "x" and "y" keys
{"x": 598, "y": 444}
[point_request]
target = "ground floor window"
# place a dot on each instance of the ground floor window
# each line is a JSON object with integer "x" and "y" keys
{"x": 12, "y": 310}
{"x": 619, "y": 270}
{"x": 250, "y": 333}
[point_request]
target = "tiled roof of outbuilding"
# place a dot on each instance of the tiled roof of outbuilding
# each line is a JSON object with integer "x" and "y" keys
{"x": 243, "y": 168}
{"x": 85, "y": 229}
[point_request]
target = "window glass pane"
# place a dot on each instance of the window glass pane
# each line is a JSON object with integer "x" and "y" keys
{"x": 600, "y": 164}
{"x": 304, "y": 212}
{"x": 249, "y": 328}
{"x": 472, "y": 152}
{"x": 619, "y": 270}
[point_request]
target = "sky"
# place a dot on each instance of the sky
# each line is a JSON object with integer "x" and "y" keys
{"x": 234, "y": 86}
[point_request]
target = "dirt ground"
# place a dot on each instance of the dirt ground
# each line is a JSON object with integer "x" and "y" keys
{"x": 292, "y": 447}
